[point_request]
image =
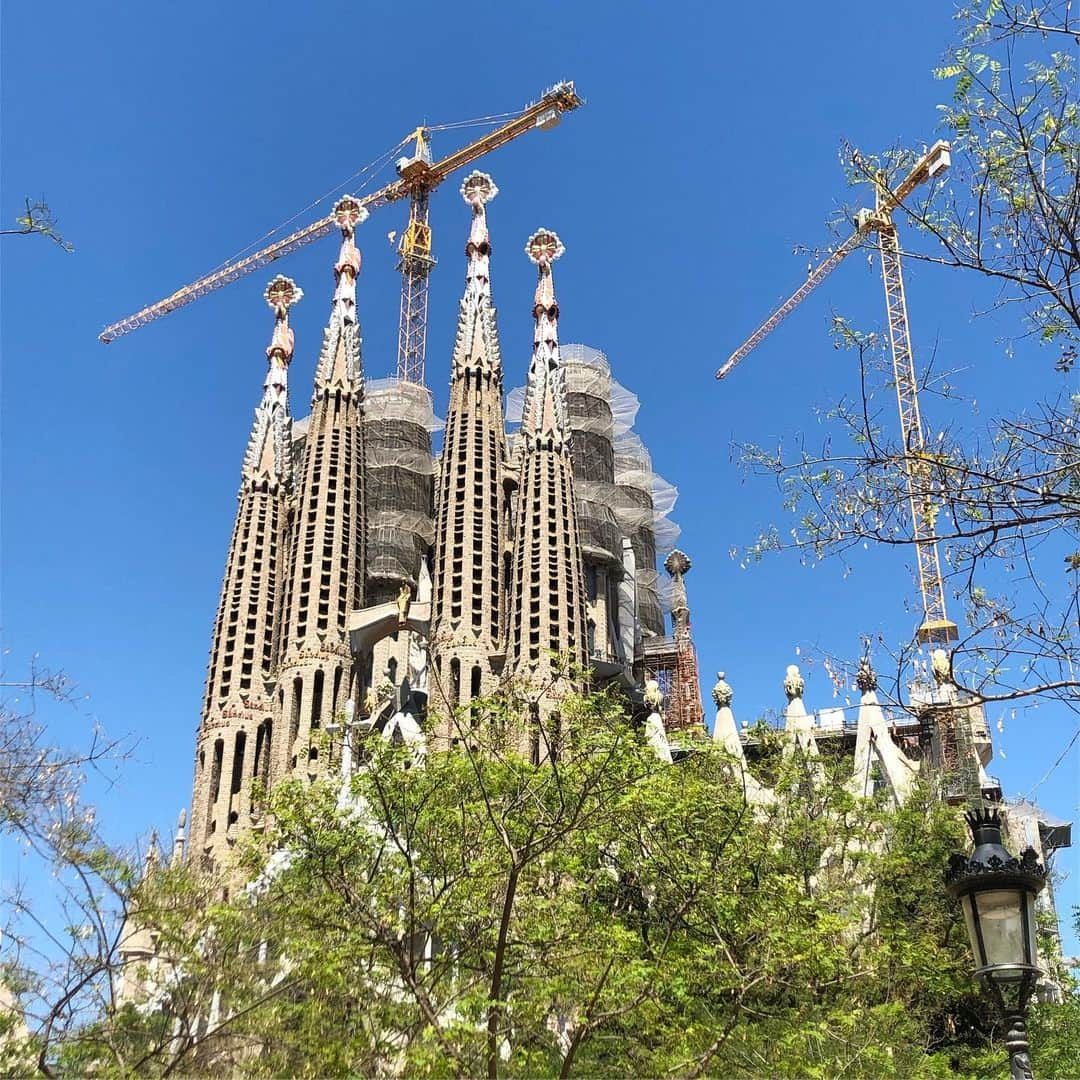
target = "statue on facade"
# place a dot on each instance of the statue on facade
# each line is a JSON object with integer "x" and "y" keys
{"x": 404, "y": 599}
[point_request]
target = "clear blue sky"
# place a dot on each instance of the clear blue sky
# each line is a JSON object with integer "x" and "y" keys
{"x": 166, "y": 138}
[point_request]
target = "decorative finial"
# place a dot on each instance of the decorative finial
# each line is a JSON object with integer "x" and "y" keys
{"x": 281, "y": 294}
{"x": 722, "y": 693}
{"x": 941, "y": 666}
{"x": 544, "y": 247}
{"x": 794, "y": 683}
{"x": 677, "y": 563}
{"x": 866, "y": 677}
{"x": 478, "y": 189}
{"x": 348, "y": 213}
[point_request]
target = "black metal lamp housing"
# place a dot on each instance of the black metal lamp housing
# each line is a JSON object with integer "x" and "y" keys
{"x": 997, "y": 893}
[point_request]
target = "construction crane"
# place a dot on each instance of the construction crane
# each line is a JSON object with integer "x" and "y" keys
{"x": 936, "y": 628}
{"x": 418, "y": 176}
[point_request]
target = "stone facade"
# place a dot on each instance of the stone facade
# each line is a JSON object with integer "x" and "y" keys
{"x": 367, "y": 578}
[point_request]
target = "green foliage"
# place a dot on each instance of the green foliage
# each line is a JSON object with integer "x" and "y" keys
{"x": 604, "y": 915}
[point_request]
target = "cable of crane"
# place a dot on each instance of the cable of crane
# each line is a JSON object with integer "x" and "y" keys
{"x": 495, "y": 118}
{"x": 374, "y": 167}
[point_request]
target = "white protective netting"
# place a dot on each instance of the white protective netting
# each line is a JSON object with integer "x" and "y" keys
{"x": 398, "y": 424}
{"x": 644, "y": 502}
{"x": 618, "y": 494}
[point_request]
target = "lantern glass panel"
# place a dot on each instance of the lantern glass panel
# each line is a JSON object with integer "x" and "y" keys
{"x": 1002, "y": 915}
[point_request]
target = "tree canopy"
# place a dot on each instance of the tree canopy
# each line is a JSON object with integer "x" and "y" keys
{"x": 605, "y": 915}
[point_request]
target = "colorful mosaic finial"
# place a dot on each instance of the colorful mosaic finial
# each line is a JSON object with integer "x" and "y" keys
{"x": 477, "y": 189}
{"x": 348, "y": 213}
{"x": 281, "y": 294}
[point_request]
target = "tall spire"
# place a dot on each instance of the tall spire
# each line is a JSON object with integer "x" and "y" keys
{"x": 684, "y": 707}
{"x": 237, "y": 708}
{"x": 476, "y": 344}
{"x": 269, "y": 453}
{"x": 325, "y": 565}
{"x": 544, "y": 418}
{"x": 339, "y": 368}
{"x": 478, "y": 189}
{"x": 469, "y": 508}
{"x": 547, "y": 593}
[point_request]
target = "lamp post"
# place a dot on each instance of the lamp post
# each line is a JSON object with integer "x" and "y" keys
{"x": 997, "y": 893}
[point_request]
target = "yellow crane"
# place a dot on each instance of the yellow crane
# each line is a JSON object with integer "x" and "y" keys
{"x": 418, "y": 176}
{"x": 936, "y": 628}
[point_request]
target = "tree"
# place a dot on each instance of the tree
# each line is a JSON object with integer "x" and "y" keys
{"x": 59, "y": 951}
{"x": 603, "y": 915}
{"x": 39, "y": 220}
{"x": 1006, "y": 498}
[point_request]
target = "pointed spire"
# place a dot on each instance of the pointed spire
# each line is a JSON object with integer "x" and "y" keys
{"x": 677, "y": 564}
{"x": 339, "y": 368}
{"x": 152, "y": 858}
{"x": 478, "y": 189}
{"x": 281, "y": 294}
{"x": 544, "y": 420}
{"x": 180, "y": 839}
{"x": 476, "y": 343}
{"x": 267, "y": 459}
{"x": 348, "y": 213}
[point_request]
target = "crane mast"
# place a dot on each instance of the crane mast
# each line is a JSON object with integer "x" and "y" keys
{"x": 936, "y": 628}
{"x": 418, "y": 176}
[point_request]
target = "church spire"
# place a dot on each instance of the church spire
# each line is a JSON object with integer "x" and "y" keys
{"x": 269, "y": 454}
{"x": 325, "y": 563}
{"x": 339, "y": 369}
{"x": 469, "y": 518}
{"x": 237, "y": 709}
{"x": 544, "y": 419}
{"x": 478, "y": 189}
{"x": 476, "y": 344}
{"x": 547, "y": 594}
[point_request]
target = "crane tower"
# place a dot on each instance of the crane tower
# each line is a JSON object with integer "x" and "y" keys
{"x": 936, "y": 628}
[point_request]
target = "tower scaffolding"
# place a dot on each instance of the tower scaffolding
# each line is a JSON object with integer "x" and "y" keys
{"x": 399, "y": 421}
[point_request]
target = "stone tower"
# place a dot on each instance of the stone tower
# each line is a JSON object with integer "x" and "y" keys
{"x": 326, "y": 560}
{"x": 236, "y": 734}
{"x": 547, "y": 595}
{"x": 469, "y": 503}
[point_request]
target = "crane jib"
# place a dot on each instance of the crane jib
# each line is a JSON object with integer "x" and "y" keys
{"x": 558, "y": 99}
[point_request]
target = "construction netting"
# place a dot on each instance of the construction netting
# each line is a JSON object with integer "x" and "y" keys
{"x": 618, "y": 494}
{"x": 398, "y": 424}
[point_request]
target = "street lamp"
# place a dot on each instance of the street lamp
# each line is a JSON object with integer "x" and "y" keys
{"x": 997, "y": 893}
